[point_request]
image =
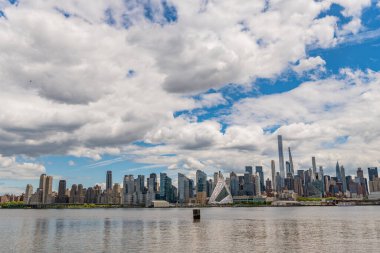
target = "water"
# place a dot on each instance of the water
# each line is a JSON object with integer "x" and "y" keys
{"x": 281, "y": 229}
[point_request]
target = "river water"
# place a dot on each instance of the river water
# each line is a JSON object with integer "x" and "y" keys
{"x": 260, "y": 229}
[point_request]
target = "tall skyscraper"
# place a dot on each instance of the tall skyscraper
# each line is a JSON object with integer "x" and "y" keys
{"x": 183, "y": 189}
{"x": 234, "y": 184}
{"x": 128, "y": 189}
{"x": 215, "y": 180}
{"x": 62, "y": 192}
{"x": 139, "y": 184}
{"x": 154, "y": 181}
{"x": 314, "y": 164}
{"x": 273, "y": 167}
{"x": 372, "y": 173}
{"x": 338, "y": 173}
{"x": 257, "y": 184}
{"x": 28, "y": 193}
{"x": 42, "y": 188}
{"x": 281, "y": 159}
{"x": 48, "y": 189}
{"x": 291, "y": 162}
{"x": 166, "y": 188}
{"x": 249, "y": 169}
{"x": 201, "y": 180}
{"x": 343, "y": 175}
{"x": 259, "y": 170}
{"x": 109, "y": 180}
{"x": 360, "y": 173}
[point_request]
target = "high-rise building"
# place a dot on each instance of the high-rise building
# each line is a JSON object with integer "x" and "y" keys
{"x": 109, "y": 180}
{"x": 343, "y": 175}
{"x": 48, "y": 190}
{"x": 154, "y": 181}
{"x": 166, "y": 188}
{"x": 234, "y": 184}
{"x": 360, "y": 173}
{"x": 215, "y": 180}
{"x": 248, "y": 186}
{"x": 268, "y": 186}
{"x": 128, "y": 189}
{"x": 281, "y": 159}
{"x": 273, "y": 167}
{"x": 42, "y": 188}
{"x": 62, "y": 198}
{"x": 201, "y": 180}
{"x": 221, "y": 193}
{"x": 209, "y": 187}
{"x": 259, "y": 170}
{"x": 338, "y": 172}
{"x": 372, "y": 173}
{"x": 287, "y": 168}
{"x": 291, "y": 162}
{"x": 28, "y": 193}
{"x": 278, "y": 182}
{"x": 183, "y": 189}
{"x": 314, "y": 164}
{"x": 139, "y": 184}
{"x": 249, "y": 169}
{"x": 257, "y": 184}
{"x": 74, "y": 194}
{"x": 191, "y": 187}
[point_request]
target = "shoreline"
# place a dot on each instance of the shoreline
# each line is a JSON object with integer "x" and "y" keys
{"x": 112, "y": 206}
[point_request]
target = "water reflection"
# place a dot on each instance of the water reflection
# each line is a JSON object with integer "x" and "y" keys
{"x": 219, "y": 230}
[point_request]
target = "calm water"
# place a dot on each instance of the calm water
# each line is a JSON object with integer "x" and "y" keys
{"x": 288, "y": 229}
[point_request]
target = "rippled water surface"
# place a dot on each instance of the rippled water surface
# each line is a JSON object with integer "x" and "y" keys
{"x": 267, "y": 229}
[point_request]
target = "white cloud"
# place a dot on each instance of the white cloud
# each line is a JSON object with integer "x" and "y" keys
{"x": 11, "y": 169}
{"x": 309, "y": 64}
{"x": 332, "y": 119}
{"x": 211, "y": 100}
{"x": 66, "y": 89}
{"x": 71, "y": 163}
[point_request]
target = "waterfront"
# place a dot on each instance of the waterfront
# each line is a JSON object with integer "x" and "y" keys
{"x": 261, "y": 229}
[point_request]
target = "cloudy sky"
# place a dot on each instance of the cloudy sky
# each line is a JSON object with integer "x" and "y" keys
{"x": 141, "y": 86}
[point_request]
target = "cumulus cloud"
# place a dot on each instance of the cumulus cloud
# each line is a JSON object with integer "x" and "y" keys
{"x": 11, "y": 169}
{"x": 96, "y": 78}
{"x": 309, "y": 64}
{"x": 332, "y": 119}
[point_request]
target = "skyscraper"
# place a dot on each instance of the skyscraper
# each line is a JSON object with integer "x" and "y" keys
{"x": 372, "y": 173}
{"x": 62, "y": 192}
{"x": 259, "y": 170}
{"x": 166, "y": 188}
{"x": 343, "y": 175}
{"x": 183, "y": 189}
{"x": 234, "y": 184}
{"x": 48, "y": 190}
{"x": 314, "y": 164}
{"x": 128, "y": 189}
{"x": 109, "y": 180}
{"x": 249, "y": 169}
{"x": 273, "y": 167}
{"x": 28, "y": 193}
{"x": 291, "y": 162}
{"x": 257, "y": 184}
{"x": 201, "y": 180}
{"x": 42, "y": 188}
{"x": 338, "y": 173}
{"x": 154, "y": 181}
{"x": 281, "y": 159}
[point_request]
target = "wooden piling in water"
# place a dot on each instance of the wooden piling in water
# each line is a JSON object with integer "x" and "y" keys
{"x": 196, "y": 214}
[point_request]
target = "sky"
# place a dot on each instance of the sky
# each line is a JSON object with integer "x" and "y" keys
{"x": 150, "y": 86}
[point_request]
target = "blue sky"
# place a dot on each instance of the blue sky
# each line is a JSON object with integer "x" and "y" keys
{"x": 141, "y": 87}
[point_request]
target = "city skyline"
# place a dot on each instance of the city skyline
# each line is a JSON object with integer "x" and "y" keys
{"x": 303, "y": 182}
{"x": 174, "y": 87}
